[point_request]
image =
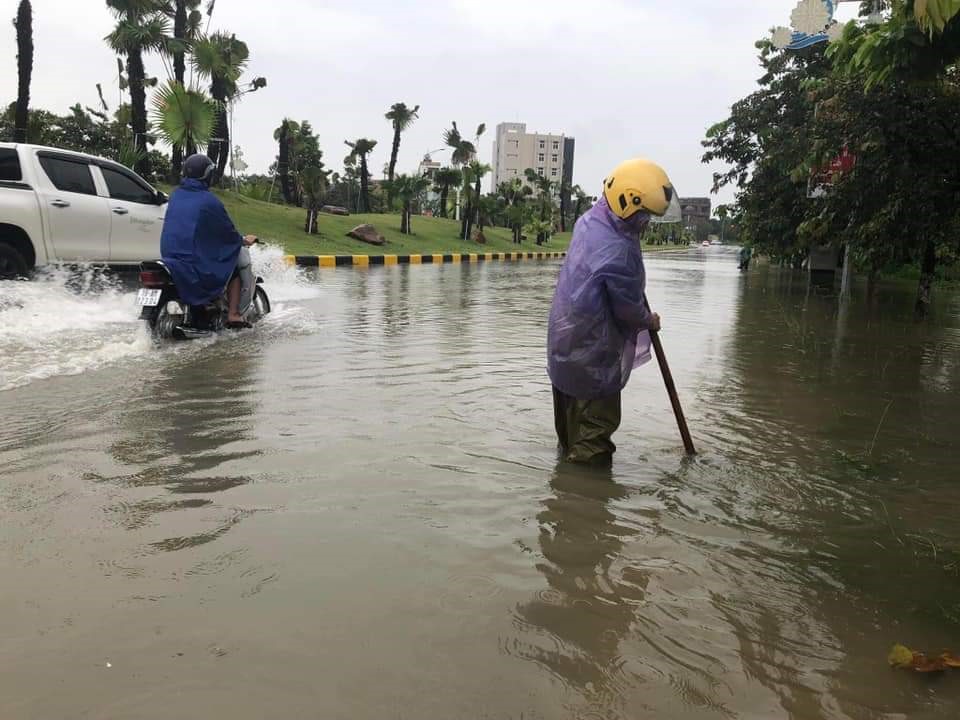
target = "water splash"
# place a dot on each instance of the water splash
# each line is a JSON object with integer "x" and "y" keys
{"x": 68, "y": 321}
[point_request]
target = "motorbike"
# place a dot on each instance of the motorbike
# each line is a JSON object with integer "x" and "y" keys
{"x": 168, "y": 317}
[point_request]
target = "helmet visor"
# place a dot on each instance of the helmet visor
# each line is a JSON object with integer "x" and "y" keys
{"x": 674, "y": 213}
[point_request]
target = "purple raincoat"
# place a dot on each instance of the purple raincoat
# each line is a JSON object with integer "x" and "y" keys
{"x": 599, "y": 312}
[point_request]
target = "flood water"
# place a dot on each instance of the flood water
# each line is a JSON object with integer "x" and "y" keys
{"x": 356, "y": 511}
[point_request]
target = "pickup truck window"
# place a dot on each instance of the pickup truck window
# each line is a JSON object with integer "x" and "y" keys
{"x": 69, "y": 176}
{"x": 124, "y": 187}
{"x": 10, "y": 166}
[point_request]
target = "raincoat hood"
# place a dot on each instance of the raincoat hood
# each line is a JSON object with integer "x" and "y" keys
{"x": 199, "y": 243}
{"x": 599, "y": 312}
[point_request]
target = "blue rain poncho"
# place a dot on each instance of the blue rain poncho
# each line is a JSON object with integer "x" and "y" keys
{"x": 199, "y": 243}
{"x": 599, "y": 319}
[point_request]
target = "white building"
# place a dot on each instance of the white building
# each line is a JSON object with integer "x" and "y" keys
{"x": 428, "y": 168}
{"x": 515, "y": 150}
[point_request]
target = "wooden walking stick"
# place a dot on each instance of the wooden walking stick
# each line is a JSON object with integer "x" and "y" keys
{"x": 672, "y": 390}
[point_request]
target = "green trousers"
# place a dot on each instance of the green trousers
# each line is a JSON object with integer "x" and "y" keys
{"x": 585, "y": 427}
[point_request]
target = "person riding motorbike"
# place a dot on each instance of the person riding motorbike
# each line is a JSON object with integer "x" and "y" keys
{"x": 199, "y": 243}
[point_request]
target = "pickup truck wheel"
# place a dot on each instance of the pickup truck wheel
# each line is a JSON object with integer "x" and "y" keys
{"x": 12, "y": 264}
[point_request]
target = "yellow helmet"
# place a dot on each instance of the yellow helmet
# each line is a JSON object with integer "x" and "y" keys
{"x": 638, "y": 185}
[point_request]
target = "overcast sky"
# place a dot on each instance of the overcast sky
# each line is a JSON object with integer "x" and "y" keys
{"x": 624, "y": 77}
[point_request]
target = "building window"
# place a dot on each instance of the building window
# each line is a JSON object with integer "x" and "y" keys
{"x": 553, "y": 172}
{"x": 540, "y": 171}
{"x": 541, "y": 157}
{"x": 556, "y": 144}
{"x": 554, "y": 157}
{"x": 542, "y": 144}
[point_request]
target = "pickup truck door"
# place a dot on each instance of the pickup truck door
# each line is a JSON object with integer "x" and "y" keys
{"x": 136, "y": 217}
{"x": 77, "y": 219}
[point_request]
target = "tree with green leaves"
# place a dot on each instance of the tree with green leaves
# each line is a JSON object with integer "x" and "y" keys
{"x": 487, "y": 210}
{"x": 565, "y": 189}
{"x": 407, "y": 188}
{"x": 360, "y": 149}
{"x": 898, "y": 205}
{"x": 473, "y": 175}
{"x": 583, "y": 201}
{"x": 401, "y": 118}
{"x": 283, "y": 136}
{"x": 544, "y": 188}
{"x": 141, "y": 28}
{"x": 513, "y": 195}
{"x": 222, "y": 59}
{"x": 766, "y": 144}
{"x": 464, "y": 150}
{"x": 918, "y": 40}
{"x": 183, "y": 117}
{"x": 299, "y": 149}
{"x": 24, "y": 25}
{"x": 187, "y": 21}
{"x": 315, "y": 181}
{"x": 444, "y": 179}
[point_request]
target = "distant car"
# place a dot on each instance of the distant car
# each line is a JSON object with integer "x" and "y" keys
{"x": 63, "y": 206}
{"x": 705, "y": 243}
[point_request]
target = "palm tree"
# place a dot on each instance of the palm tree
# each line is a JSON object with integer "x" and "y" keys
{"x": 360, "y": 149}
{"x": 445, "y": 178}
{"x": 565, "y": 190}
{"x": 722, "y": 212}
{"x": 514, "y": 194}
{"x": 582, "y": 200}
{"x": 475, "y": 172}
{"x": 407, "y": 188}
{"x": 544, "y": 188}
{"x": 463, "y": 152}
{"x": 284, "y": 136}
{"x": 24, "y": 25}
{"x": 402, "y": 118}
{"x": 486, "y": 211}
{"x": 221, "y": 58}
{"x": 187, "y": 20}
{"x": 141, "y": 27}
{"x": 183, "y": 116}
{"x": 540, "y": 228}
{"x": 314, "y": 181}
{"x": 186, "y": 28}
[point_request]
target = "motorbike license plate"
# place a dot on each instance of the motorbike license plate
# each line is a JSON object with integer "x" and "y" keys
{"x": 148, "y": 298}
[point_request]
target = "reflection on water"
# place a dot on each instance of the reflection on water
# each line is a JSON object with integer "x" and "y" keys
{"x": 588, "y": 606}
{"x": 355, "y": 510}
{"x": 190, "y": 421}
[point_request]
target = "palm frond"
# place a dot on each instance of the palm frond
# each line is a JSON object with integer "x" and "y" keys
{"x": 183, "y": 116}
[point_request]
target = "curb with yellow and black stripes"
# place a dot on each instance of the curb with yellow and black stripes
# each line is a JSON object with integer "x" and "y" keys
{"x": 432, "y": 259}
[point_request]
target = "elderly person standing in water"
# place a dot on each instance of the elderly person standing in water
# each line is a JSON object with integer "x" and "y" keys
{"x": 600, "y": 322}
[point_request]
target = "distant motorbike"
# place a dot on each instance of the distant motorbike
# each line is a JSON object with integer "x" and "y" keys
{"x": 168, "y": 317}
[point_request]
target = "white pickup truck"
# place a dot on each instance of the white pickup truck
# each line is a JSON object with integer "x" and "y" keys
{"x": 61, "y": 206}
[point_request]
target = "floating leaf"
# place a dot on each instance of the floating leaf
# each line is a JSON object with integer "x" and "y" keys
{"x": 900, "y": 656}
{"x": 905, "y": 658}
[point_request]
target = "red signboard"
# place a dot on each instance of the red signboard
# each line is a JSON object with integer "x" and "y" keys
{"x": 827, "y": 175}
